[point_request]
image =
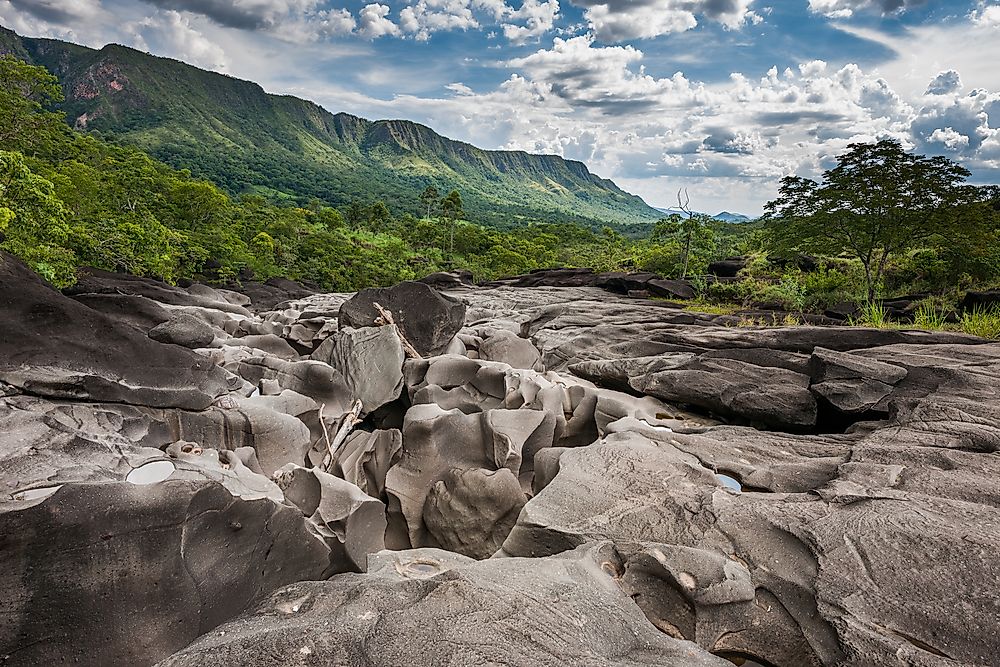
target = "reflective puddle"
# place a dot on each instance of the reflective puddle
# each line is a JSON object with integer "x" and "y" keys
{"x": 151, "y": 473}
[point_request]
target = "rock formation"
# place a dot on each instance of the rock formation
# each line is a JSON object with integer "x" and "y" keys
{"x": 565, "y": 474}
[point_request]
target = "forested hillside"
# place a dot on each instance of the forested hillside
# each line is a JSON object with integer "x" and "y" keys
{"x": 245, "y": 140}
{"x": 70, "y": 199}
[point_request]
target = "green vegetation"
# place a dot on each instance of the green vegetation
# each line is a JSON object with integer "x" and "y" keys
{"x": 983, "y": 322}
{"x": 287, "y": 149}
{"x": 70, "y": 198}
{"x": 878, "y": 203}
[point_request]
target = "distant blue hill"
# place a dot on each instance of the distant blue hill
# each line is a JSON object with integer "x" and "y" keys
{"x": 724, "y": 216}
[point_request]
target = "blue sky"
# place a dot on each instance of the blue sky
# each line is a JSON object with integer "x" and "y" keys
{"x": 722, "y": 97}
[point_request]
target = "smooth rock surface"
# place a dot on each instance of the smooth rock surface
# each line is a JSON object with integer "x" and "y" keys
{"x": 51, "y": 345}
{"x": 426, "y": 607}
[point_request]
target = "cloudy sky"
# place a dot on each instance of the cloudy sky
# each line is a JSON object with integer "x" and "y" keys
{"x": 723, "y": 97}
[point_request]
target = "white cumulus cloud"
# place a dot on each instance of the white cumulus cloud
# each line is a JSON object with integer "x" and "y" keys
{"x": 171, "y": 33}
{"x": 373, "y": 21}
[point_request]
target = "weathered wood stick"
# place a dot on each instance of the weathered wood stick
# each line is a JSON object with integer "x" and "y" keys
{"x": 347, "y": 424}
{"x": 326, "y": 436}
{"x": 386, "y": 318}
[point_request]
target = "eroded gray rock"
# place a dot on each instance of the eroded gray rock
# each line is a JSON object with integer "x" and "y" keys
{"x": 549, "y": 612}
{"x": 472, "y": 511}
{"x": 435, "y": 441}
{"x": 184, "y": 330}
{"x": 56, "y": 347}
{"x": 371, "y": 362}
{"x": 351, "y": 521}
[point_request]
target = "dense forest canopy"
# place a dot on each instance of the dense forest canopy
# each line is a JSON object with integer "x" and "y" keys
{"x": 70, "y": 199}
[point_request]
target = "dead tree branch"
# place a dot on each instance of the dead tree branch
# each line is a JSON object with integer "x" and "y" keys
{"x": 385, "y": 318}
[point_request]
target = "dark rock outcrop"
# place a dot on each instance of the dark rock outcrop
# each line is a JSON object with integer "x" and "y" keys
{"x": 728, "y": 268}
{"x": 184, "y": 330}
{"x": 621, "y": 283}
{"x": 140, "y": 312}
{"x": 988, "y": 300}
{"x": 54, "y": 346}
{"x": 97, "y": 281}
{"x": 427, "y": 318}
{"x": 448, "y": 279}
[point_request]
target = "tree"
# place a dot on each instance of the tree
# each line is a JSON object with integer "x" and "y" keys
{"x": 878, "y": 202}
{"x": 33, "y": 221}
{"x": 678, "y": 244}
{"x": 451, "y": 210}
{"x": 379, "y": 216}
{"x": 356, "y": 215}
{"x": 25, "y": 92}
{"x": 689, "y": 226}
{"x": 429, "y": 198}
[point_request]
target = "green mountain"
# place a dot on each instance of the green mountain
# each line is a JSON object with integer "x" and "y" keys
{"x": 233, "y": 133}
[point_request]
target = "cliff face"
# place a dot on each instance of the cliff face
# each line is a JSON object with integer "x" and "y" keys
{"x": 234, "y": 133}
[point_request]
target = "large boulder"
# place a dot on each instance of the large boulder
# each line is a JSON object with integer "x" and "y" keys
{"x": 366, "y": 457}
{"x": 96, "y": 281}
{"x": 55, "y": 346}
{"x": 509, "y": 348}
{"x": 141, "y": 312}
{"x": 435, "y": 443}
{"x": 986, "y": 300}
{"x": 727, "y": 268}
{"x": 769, "y": 396}
{"x": 851, "y": 383}
{"x": 118, "y": 573}
{"x": 351, "y": 521}
{"x": 428, "y": 607}
{"x": 371, "y": 362}
{"x": 471, "y": 511}
{"x": 448, "y": 279}
{"x": 428, "y": 318}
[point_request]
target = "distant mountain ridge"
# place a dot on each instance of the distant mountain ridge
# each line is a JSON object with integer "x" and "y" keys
{"x": 234, "y": 133}
{"x": 724, "y": 216}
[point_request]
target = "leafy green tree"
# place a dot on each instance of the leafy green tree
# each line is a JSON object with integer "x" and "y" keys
{"x": 379, "y": 216}
{"x": 329, "y": 218}
{"x": 679, "y": 244}
{"x": 878, "y": 202}
{"x": 429, "y": 199}
{"x": 33, "y": 221}
{"x": 26, "y": 91}
{"x": 452, "y": 212}
{"x": 356, "y": 215}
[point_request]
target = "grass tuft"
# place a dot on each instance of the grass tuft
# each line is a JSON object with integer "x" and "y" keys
{"x": 873, "y": 315}
{"x": 982, "y": 322}
{"x": 927, "y": 316}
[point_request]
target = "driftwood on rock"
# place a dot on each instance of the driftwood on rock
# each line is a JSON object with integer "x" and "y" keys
{"x": 385, "y": 319}
{"x": 346, "y": 424}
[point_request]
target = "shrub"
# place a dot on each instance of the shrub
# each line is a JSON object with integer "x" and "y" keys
{"x": 789, "y": 293}
{"x": 833, "y": 284}
{"x": 723, "y": 292}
